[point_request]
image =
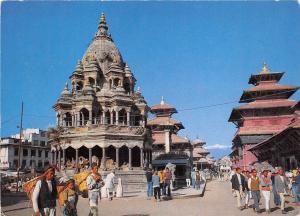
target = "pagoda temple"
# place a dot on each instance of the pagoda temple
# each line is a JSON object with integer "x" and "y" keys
{"x": 266, "y": 111}
{"x": 199, "y": 153}
{"x": 167, "y": 145}
{"x": 102, "y": 118}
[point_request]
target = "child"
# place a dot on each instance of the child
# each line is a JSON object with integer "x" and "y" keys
{"x": 70, "y": 199}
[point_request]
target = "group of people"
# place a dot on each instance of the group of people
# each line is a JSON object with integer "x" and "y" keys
{"x": 46, "y": 192}
{"x": 197, "y": 178}
{"x": 251, "y": 184}
{"x": 158, "y": 183}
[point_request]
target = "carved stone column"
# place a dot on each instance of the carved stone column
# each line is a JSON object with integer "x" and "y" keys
{"x": 51, "y": 157}
{"x": 59, "y": 159}
{"x": 90, "y": 117}
{"x": 90, "y": 156}
{"x": 142, "y": 158}
{"x": 103, "y": 118}
{"x": 117, "y": 157}
{"x": 64, "y": 156}
{"x": 130, "y": 158}
{"x": 76, "y": 157}
{"x": 128, "y": 118}
{"x": 117, "y": 117}
{"x": 103, "y": 161}
{"x": 55, "y": 160}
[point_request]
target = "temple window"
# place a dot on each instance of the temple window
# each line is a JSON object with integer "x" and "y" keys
{"x": 135, "y": 116}
{"x": 107, "y": 117}
{"x": 122, "y": 117}
{"x": 68, "y": 119}
{"x": 127, "y": 88}
{"x": 84, "y": 116}
{"x": 116, "y": 82}
{"x": 92, "y": 81}
{"x": 79, "y": 85}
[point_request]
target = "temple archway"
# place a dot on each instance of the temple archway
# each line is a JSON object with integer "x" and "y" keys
{"x": 111, "y": 153}
{"x": 97, "y": 151}
{"x": 123, "y": 155}
{"x": 136, "y": 157}
{"x": 70, "y": 154}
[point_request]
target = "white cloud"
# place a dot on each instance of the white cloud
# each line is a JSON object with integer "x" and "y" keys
{"x": 217, "y": 146}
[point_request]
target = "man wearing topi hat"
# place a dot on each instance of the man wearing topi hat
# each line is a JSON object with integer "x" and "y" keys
{"x": 45, "y": 194}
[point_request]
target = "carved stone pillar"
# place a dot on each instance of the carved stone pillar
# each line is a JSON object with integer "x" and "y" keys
{"x": 90, "y": 156}
{"x": 117, "y": 157}
{"x": 128, "y": 118}
{"x": 59, "y": 159}
{"x": 51, "y": 157}
{"x": 103, "y": 161}
{"x": 111, "y": 117}
{"x": 76, "y": 157}
{"x": 142, "y": 158}
{"x": 55, "y": 160}
{"x": 117, "y": 117}
{"x": 103, "y": 118}
{"x": 129, "y": 158}
{"x": 64, "y": 156}
{"x": 90, "y": 117}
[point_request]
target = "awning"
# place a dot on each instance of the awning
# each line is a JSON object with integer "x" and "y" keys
{"x": 172, "y": 161}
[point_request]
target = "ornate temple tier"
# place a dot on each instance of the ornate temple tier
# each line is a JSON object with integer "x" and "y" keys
{"x": 102, "y": 118}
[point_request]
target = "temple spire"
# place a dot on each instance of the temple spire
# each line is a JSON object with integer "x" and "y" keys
{"x": 102, "y": 27}
{"x": 265, "y": 69}
{"x": 162, "y": 102}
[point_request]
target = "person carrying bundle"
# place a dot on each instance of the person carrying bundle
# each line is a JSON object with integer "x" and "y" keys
{"x": 94, "y": 183}
{"x": 45, "y": 194}
{"x": 70, "y": 199}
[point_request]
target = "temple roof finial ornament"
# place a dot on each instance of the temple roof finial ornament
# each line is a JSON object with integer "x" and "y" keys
{"x": 162, "y": 102}
{"x": 265, "y": 69}
{"x": 102, "y": 27}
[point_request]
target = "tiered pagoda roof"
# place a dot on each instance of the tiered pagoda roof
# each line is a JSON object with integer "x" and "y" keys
{"x": 198, "y": 150}
{"x": 266, "y": 94}
{"x": 164, "y": 120}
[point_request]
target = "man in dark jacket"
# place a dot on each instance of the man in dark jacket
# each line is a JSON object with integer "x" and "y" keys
{"x": 45, "y": 194}
{"x": 239, "y": 186}
{"x": 149, "y": 183}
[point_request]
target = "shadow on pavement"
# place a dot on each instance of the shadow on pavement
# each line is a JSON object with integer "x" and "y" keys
{"x": 8, "y": 199}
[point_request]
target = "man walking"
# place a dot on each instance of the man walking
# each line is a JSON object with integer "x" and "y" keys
{"x": 149, "y": 183}
{"x": 281, "y": 186}
{"x": 167, "y": 182}
{"x": 94, "y": 183}
{"x": 266, "y": 187}
{"x": 45, "y": 194}
{"x": 253, "y": 185}
{"x": 238, "y": 185}
{"x": 275, "y": 194}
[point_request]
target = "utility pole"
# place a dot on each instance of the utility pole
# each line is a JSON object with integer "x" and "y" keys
{"x": 19, "y": 151}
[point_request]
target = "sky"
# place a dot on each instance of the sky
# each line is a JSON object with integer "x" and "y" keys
{"x": 195, "y": 54}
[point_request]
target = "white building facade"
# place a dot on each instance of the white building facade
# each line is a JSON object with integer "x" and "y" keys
{"x": 35, "y": 153}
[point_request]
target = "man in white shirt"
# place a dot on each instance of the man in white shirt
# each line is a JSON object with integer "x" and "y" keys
{"x": 45, "y": 194}
{"x": 94, "y": 183}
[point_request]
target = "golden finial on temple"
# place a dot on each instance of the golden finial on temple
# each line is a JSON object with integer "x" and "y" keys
{"x": 265, "y": 69}
{"x": 102, "y": 19}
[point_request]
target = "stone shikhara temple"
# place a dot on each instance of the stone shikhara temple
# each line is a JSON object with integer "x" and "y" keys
{"x": 102, "y": 115}
{"x": 267, "y": 112}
